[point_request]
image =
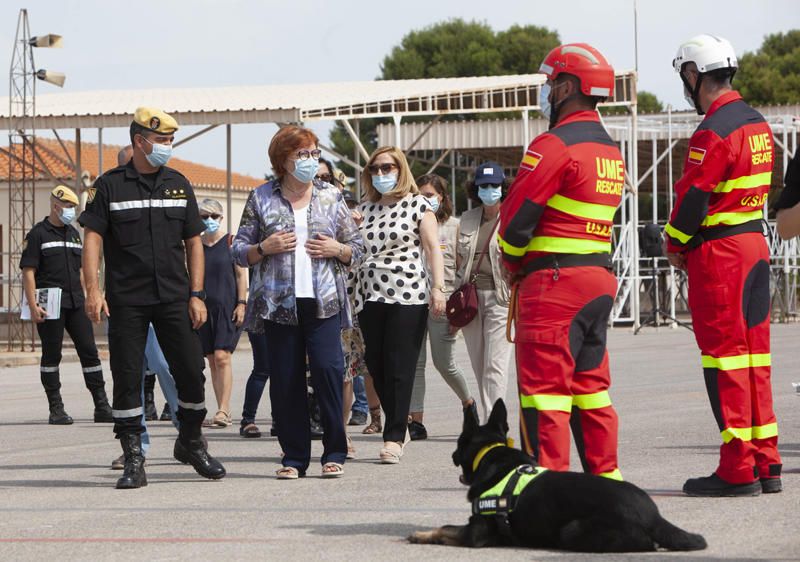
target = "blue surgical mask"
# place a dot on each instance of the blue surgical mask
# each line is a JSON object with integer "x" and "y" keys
{"x": 433, "y": 203}
{"x": 490, "y": 194}
{"x": 211, "y": 225}
{"x": 384, "y": 184}
{"x": 305, "y": 170}
{"x": 67, "y": 215}
{"x": 160, "y": 155}
{"x": 544, "y": 101}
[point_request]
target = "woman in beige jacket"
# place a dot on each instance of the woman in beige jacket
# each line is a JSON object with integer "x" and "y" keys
{"x": 485, "y": 336}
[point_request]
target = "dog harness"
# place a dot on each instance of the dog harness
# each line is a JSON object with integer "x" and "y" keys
{"x": 500, "y": 499}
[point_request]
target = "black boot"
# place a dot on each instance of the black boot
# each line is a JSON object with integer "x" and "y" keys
{"x": 166, "y": 413}
{"x": 57, "y": 414}
{"x": 191, "y": 448}
{"x": 714, "y": 486}
{"x": 150, "y": 411}
{"x": 133, "y": 475}
{"x": 102, "y": 409}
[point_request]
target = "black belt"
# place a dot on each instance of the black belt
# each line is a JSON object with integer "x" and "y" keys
{"x": 559, "y": 261}
{"x": 725, "y": 231}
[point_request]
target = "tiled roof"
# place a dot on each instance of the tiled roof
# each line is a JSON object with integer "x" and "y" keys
{"x": 53, "y": 158}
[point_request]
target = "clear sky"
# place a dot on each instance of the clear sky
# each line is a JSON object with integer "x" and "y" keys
{"x": 140, "y": 44}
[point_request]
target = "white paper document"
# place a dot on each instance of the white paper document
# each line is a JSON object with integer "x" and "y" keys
{"x": 48, "y": 299}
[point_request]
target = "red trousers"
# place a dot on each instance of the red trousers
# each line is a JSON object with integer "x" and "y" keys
{"x": 730, "y": 302}
{"x": 562, "y": 368}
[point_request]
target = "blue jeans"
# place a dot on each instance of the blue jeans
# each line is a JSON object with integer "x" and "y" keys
{"x": 360, "y": 392}
{"x": 155, "y": 362}
{"x": 257, "y": 379}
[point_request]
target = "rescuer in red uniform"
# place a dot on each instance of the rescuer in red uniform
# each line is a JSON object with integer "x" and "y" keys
{"x": 555, "y": 232}
{"x": 715, "y": 234}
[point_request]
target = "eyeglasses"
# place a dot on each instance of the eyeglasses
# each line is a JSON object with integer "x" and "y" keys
{"x": 304, "y": 154}
{"x": 382, "y": 168}
{"x": 215, "y": 216}
{"x": 327, "y": 178}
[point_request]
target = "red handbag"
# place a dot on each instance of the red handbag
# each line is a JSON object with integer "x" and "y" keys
{"x": 462, "y": 306}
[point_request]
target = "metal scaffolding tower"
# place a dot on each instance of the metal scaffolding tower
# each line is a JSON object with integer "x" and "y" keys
{"x": 21, "y": 175}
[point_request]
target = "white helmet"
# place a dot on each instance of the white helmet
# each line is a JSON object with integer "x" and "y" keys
{"x": 708, "y": 52}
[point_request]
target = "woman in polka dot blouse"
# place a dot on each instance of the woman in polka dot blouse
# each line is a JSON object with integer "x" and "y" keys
{"x": 393, "y": 292}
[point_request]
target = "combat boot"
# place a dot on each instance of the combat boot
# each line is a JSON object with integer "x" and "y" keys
{"x": 150, "y": 411}
{"x": 133, "y": 475}
{"x": 714, "y": 486}
{"x": 191, "y": 448}
{"x": 57, "y": 414}
{"x": 166, "y": 413}
{"x": 102, "y": 409}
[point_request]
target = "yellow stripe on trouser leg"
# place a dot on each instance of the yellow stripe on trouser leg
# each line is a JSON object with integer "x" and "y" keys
{"x": 592, "y": 401}
{"x": 731, "y": 433}
{"x": 613, "y": 475}
{"x": 765, "y": 431}
{"x": 545, "y": 402}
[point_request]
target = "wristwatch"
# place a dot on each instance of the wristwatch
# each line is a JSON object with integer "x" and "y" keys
{"x": 241, "y": 301}
{"x": 260, "y": 250}
{"x": 199, "y": 294}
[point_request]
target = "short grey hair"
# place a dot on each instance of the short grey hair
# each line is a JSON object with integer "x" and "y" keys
{"x": 210, "y": 206}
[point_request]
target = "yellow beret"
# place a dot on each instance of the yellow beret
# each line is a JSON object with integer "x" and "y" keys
{"x": 64, "y": 194}
{"x": 155, "y": 120}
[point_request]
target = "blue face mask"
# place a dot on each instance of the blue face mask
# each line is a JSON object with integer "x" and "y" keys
{"x": 160, "y": 155}
{"x": 544, "y": 101}
{"x": 433, "y": 203}
{"x": 490, "y": 194}
{"x": 305, "y": 170}
{"x": 67, "y": 215}
{"x": 384, "y": 184}
{"x": 211, "y": 225}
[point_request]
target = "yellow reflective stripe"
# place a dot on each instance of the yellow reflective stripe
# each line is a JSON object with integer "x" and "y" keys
{"x": 677, "y": 234}
{"x": 559, "y": 245}
{"x": 613, "y": 475}
{"x": 509, "y": 249}
{"x": 543, "y": 402}
{"x": 731, "y": 433}
{"x": 765, "y": 431}
{"x": 744, "y": 182}
{"x": 732, "y": 218}
{"x": 736, "y": 361}
{"x": 592, "y": 401}
{"x": 581, "y": 208}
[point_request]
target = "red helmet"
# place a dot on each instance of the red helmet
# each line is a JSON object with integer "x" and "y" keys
{"x": 584, "y": 62}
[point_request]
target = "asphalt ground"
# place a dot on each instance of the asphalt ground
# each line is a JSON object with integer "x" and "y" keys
{"x": 58, "y": 502}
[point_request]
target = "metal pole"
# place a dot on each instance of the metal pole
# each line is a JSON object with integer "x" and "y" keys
{"x": 635, "y": 211}
{"x": 228, "y": 176}
{"x": 358, "y": 160}
{"x": 78, "y": 170}
{"x": 526, "y": 131}
{"x": 99, "y": 151}
{"x": 672, "y": 293}
{"x": 397, "y": 118}
{"x": 453, "y": 180}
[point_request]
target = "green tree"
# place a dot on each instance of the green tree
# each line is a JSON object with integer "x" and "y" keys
{"x": 454, "y": 48}
{"x": 771, "y": 75}
{"x": 648, "y": 102}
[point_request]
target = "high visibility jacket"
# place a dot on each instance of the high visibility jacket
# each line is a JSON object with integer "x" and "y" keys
{"x": 726, "y": 174}
{"x": 564, "y": 197}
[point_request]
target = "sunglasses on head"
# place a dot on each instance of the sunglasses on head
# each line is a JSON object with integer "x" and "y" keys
{"x": 214, "y": 216}
{"x": 383, "y": 168}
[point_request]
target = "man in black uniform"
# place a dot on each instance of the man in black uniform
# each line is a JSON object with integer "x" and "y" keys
{"x": 145, "y": 215}
{"x": 51, "y": 258}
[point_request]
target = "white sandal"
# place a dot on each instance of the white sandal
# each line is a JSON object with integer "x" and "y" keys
{"x": 338, "y": 470}
{"x": 287, "y": 473}
{"x": 391, "y": 453}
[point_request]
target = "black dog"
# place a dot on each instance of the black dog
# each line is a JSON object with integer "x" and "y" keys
{"x": 560, "y": 510}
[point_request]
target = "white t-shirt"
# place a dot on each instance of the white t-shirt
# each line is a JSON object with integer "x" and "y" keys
{"x": 394, "y": 270}
{"x": 303, "y": 283}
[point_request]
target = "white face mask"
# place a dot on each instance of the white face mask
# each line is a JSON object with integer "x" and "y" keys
{"x": 688, "y": 97}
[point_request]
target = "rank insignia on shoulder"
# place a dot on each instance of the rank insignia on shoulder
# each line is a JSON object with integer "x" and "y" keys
{"x": 696, "y": 155}
{"x": 25, "y": 244}
{"x": 90, "y": 193}
{"x": 530, "y": 160}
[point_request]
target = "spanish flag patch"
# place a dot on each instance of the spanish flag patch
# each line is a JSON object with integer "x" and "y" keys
{"x": 530, "y": 160}
{"x": 696, "y": 155}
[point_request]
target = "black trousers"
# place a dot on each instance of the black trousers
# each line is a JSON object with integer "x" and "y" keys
{"x": 127, "y": 335}
{"x": 319, "y": 339}
{"x": 393, "y": 335}
{"x": 79, "y": 328}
